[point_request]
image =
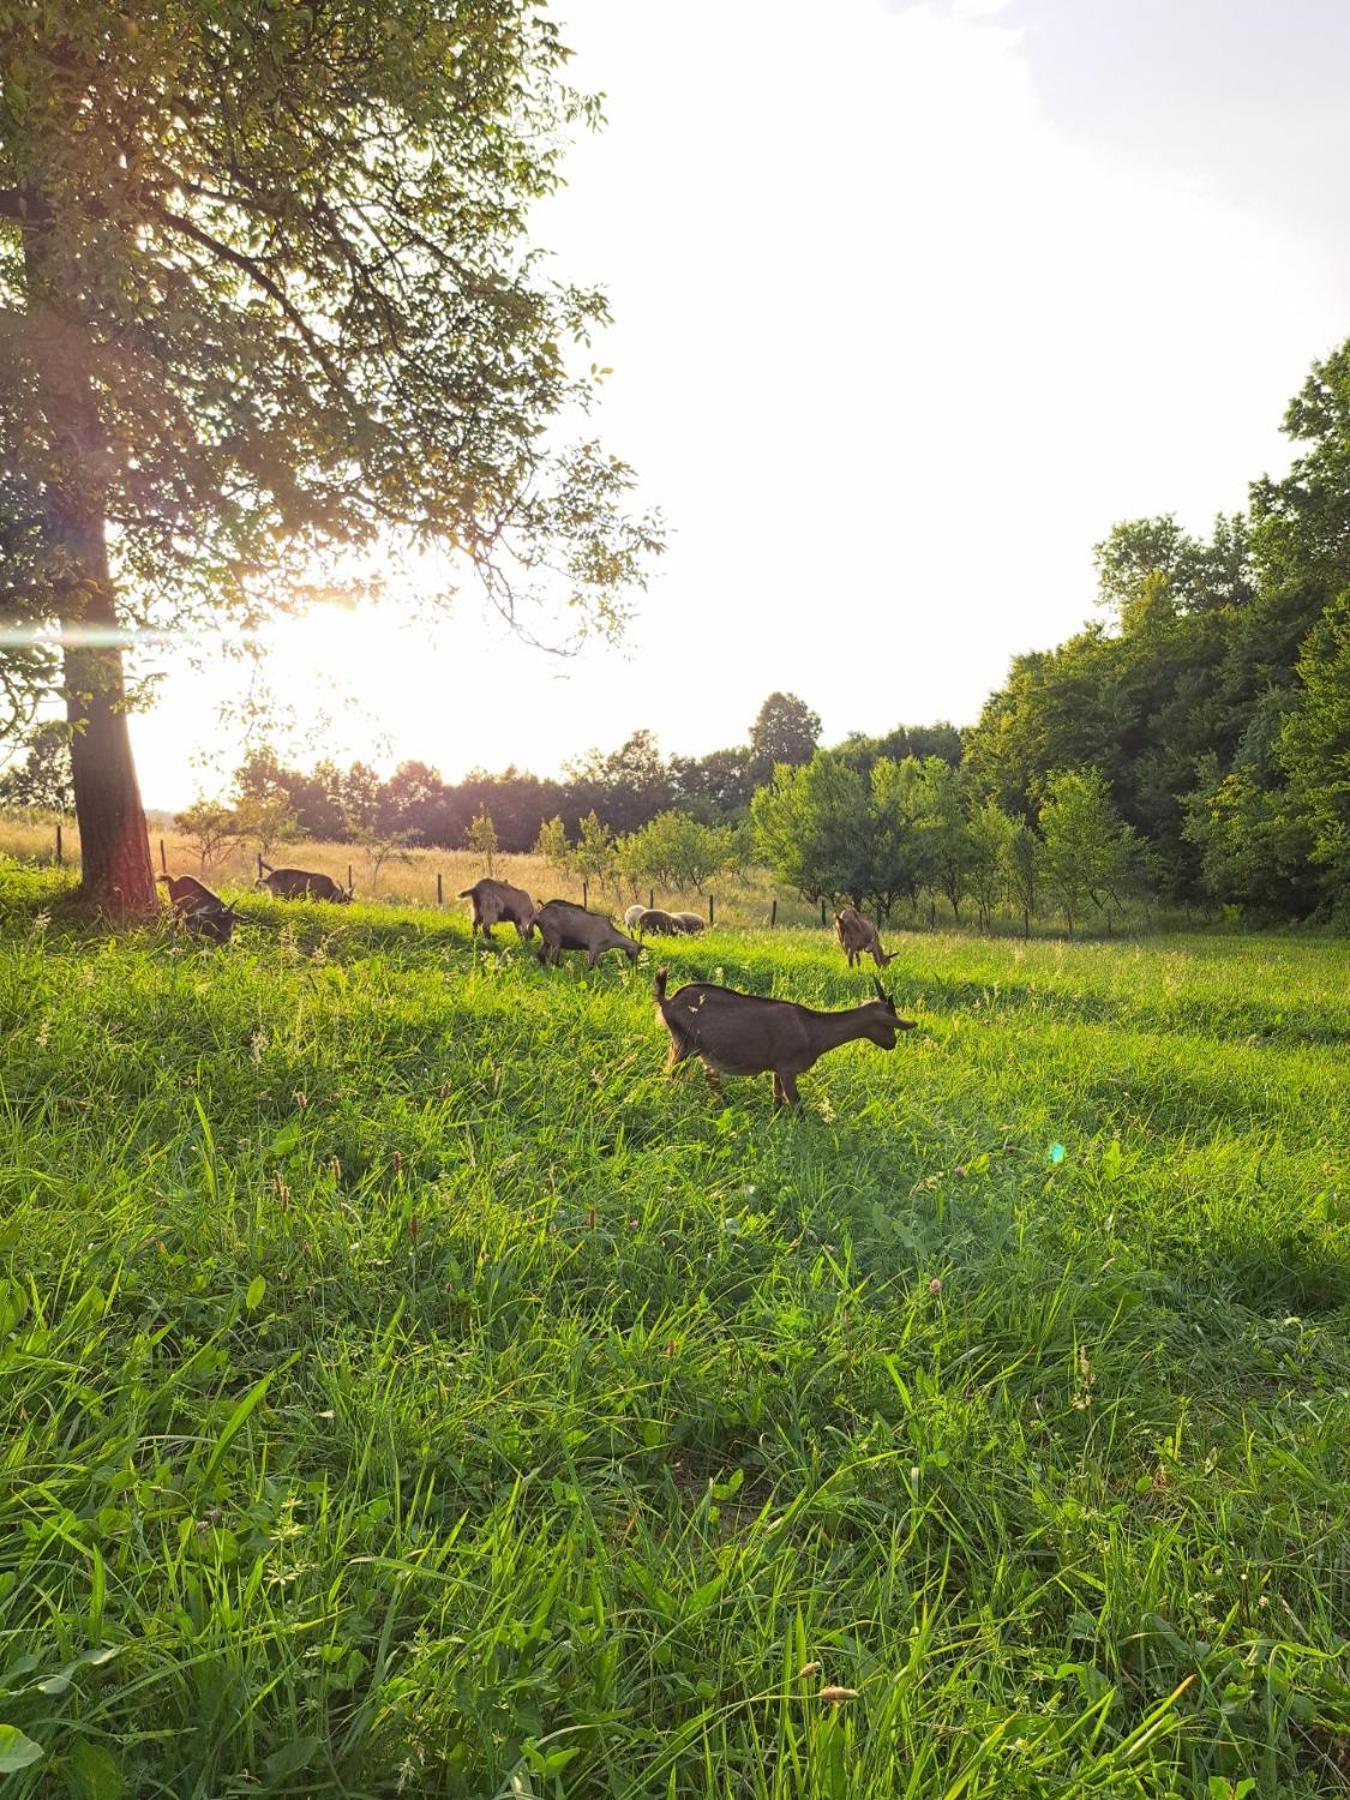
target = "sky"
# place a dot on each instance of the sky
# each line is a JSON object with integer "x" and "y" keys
{"x": 912, "y": 302}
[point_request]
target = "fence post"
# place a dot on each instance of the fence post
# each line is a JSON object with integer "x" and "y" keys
{"x": 440, "y": 894}
{"x": 585, "y": 891}
{"x": 712, "y": 919}
{"x": 163, "y": 860}
{"x": 773, "y": 915}
{"x": 651, "y": 899}
{"x": 350, "y": 883}
{"x": 60, "y": 852}
{"x": 822, "y": 909}
{"x": 260, "y": 865}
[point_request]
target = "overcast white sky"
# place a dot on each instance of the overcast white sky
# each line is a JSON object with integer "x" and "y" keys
{"x": 912, "y": 302}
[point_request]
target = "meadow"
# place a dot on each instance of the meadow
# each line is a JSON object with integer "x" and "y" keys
{"x": 409, "y": 1390}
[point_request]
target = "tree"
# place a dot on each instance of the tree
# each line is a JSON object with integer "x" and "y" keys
{"x": 1022, "y": 853}
{"x": 482, "y": 837}
{"x": 594, "y": 852}
{"x": 1088, "y": 854}
{"x": 786, "y": 731}
{"x": 1314, "y": 747}
{"x": 990, "y": 832}
{"x": 267, "y": 819}
{"x": 675, "y": 851}
{"x": 209, "y": 826}
{"x": 552, "y": 846}
{"x": 43, "y": 778}
{"x": 812, "y": 825}
{"x": 894, "y": 850}
{"x": 945, "y": 852}
{"x": 264, "y": 297}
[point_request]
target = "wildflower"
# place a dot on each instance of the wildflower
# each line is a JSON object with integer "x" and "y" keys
{"x": 808, "y": 1669}
{"x": 935, "y": 1285}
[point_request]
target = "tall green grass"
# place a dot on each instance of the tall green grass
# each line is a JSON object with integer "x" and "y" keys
{"x": 407, "y": 1390}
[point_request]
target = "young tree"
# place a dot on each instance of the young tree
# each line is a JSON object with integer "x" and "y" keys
{"x": 552, "y": 846}
{"x": 267, "y": 819}
{"x": 991, "y": 832}
{"x": 264, "y": 294}
{"x": 894, "y": 849}
{"x": 594, "y": 853}
{"x": 944, "y": 845}
{"x": 482, "y": 837}
{"x": 1022, "y": 869}
{"x": 813, "y": 827}
{"x": 210, "y": 827}
{"x": 1088, "y": 853}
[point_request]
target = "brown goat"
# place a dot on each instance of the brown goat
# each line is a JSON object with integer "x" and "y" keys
{"x": 302, "y": 884}
{"x": 497, "y": 902}
{"x": 747, "y": 1034}
{"x": 197, "y": 908}
{"x": 860, "y": 937}
{"x": 565, "y": 926}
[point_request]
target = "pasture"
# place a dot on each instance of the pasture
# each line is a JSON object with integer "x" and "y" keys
{"x": 408, "y": 1390}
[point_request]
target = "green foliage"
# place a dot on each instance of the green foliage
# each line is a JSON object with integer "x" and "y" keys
{"x": 1087, "y": 853}
{"x": 553, "y": 847}
{"x": 594, "y": 855}
{"x": 1314, "y": 746}
{"x": 785, "y": 731}
{"x": 482, "y": 838}
{"x": 811, "y": 826}
{"x": 674, "y": 851}
{"x": 406, "y": 1385}
{"x": 43, "y": 779}
{"x": 210, "y": 826}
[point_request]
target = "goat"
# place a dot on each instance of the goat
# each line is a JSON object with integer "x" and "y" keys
{"x": 860, "y": 937}
{"x": 198, "y": 909}
{"x": 301, "y": 884}
{"x": 565, "y": 926}
{"x": 747, "y": 1034}
{"x": 495, "y": 902}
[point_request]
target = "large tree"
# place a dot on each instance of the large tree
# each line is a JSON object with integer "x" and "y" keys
{"x": 265, "y": 293}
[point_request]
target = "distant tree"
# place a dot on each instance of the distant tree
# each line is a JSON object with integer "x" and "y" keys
{"x": 552, "y": 846}
{"x": 210, "y": 827}
{"x": 893, "y": 847}
{"x": 812, "y": 825}
{"x": 267, "y": 819}
{"x": 1088, "y": 853}
{"x": 1022, "y": 852}
{"x": 676, "y": 851}
{"x": 482, "y": 838}
{"x": 43, "y": 778}
{"x": 593, "y": 857}
{"x": 412, "y": 802}
{"x": 786, "y": 731}
{"x": 991, "y": 833}
{"x": 627, "y": 786}
{"x": 715, "y": 788}
{"x": 359, "y": 797}
{"x": 1314, "y": 749}
{"x": 945, "y": 852}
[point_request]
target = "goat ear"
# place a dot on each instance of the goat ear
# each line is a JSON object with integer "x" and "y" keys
{"x": 882, "y": 995}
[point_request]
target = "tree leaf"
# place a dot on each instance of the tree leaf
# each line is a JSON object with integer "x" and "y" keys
{"x": 17, "y": 1751}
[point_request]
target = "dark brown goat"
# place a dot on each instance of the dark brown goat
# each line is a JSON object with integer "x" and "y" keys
{"x": 495, "y": 902}
{"x": 197, "y": 908}
{"x": 747, "y": 1034}
{"x": 860, "y": 937}
{"x": 565, "y": 926}
{"x": 301, "y": 884}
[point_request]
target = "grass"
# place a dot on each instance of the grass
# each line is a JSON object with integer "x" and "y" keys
{"x": 408, "y": 1390}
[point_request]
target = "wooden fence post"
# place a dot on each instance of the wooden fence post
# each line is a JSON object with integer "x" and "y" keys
{"x": 585, "y": 891}
{"x": 163, "y": 860}
{"x": 60, "y": 852}
{"x": 773, "y": 916}
{"x": 440, "y": 892}
{"x": 260, "y": 865}
{"x": 712, "y": 918}
{"x": 822, "y": 909}
{"x": 651, "y": 899}
{"x": 350, "y": 883}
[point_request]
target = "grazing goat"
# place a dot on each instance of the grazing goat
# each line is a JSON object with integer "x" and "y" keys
{"x": 566, "y": 926}
{"x": 497, "y": 902}
{"x": 198, "y": 909}
{"x": 860, "y": 937}
{"x": 301, "y": 884}
{"x": 659, "y": 924}
{"x": 745, "y": 1034}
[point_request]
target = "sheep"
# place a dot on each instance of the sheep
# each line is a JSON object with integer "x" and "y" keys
{"x": 301, "y": 884}
{"x": 495, "y": 902}
{"x": 565, "y": 926}
{"x": 860, "y": 937}
{"x": 746, "y": 1034}
{"x": 693, "y": 922}
{"x": 660, "y": 924}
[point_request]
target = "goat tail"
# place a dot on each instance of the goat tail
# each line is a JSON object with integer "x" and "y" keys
{"x": 661, "y": 983}
{"x": 468, "y": 893}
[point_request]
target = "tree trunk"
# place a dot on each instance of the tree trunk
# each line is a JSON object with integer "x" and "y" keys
{"x": 114, "y": 848}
